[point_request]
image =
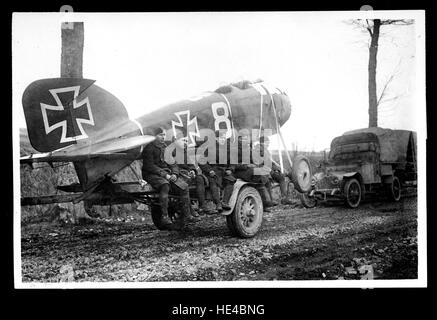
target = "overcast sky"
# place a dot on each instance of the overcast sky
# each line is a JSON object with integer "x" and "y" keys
{"x": 149, "y": 60}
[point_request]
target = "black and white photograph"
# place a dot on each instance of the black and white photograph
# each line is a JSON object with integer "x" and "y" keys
{"x": 266, "y": 149}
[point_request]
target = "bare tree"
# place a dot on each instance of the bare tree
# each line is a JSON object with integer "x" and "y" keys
{"x": 373, "y": 27}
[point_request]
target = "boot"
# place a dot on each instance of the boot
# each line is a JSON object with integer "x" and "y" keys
{"x": 219, "y": 207}
{"x": 178, "y": 224}
{"x": 269, "y": 204}
{"x": 188, "y": 216}
{"x": 202, "y": 209}
{"x": 208, "y": 210}
{"x": 164, "y": 221}
{"x": 194, "y": 213}
{"x": 286, "y": 201}
{"x": 227, "y": 193}
{"x": 225, "y": 206}
{"x": 273, "y": 203}
{"x": 264, "y": 197}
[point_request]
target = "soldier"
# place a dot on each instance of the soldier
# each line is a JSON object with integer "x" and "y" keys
{"x": 246, "y": 171}
{"x": 164, "y": 178}
{"x": 206, "y": 178}
{"x": 214, "y": 177}
{"x": 276, "y": 174}
{"x": 195, "y": 176}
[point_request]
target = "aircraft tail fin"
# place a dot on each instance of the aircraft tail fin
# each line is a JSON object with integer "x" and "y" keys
{"x": 61, "y": 112}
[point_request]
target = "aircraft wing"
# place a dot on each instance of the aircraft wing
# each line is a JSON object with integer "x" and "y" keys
{"x": 116, "y": 148}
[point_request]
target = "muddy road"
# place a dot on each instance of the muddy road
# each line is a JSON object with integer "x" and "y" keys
{"x": 327, "y": 242}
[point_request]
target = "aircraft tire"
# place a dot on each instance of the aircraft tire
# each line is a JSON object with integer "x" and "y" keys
{"x": 301, "y": 174}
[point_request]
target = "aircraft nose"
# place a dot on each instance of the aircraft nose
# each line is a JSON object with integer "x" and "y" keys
{"x": 284, "y": 111}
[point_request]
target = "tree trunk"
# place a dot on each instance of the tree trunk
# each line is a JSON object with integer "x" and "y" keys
{"x": 72, "y": 34}
{"x": 72, "y": 49}
{"x": 373, "y": 50}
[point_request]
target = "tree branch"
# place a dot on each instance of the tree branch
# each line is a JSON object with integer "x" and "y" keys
{"x": 400, "y": 22}
{"x": 395, "y": 72}
{"x": 369, "y": 28}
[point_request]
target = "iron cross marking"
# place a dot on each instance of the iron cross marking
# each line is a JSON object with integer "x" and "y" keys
{"x": 70, "y": 116}
{"x": 189, "y": 127}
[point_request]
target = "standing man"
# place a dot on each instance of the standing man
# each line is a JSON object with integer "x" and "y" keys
{"x": 164, "y": 177}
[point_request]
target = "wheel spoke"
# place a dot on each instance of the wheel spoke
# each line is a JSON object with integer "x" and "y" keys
{"x": 248, "y": 212}
{"x": 353, "y": 193}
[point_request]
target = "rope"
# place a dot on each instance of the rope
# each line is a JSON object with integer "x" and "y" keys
{"x": 281, "y": 161}
{"x": 261, "y": 90}
{"x": 134, "y": 172}
{"x": 278, "y": 129}
{"x": 261, "y": 116}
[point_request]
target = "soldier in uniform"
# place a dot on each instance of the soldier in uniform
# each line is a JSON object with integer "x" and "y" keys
{"x": 165, "y": 178}
{"x": 195, "y": 175}
{"x": 275, "y": 174}
{"x": 246, "y": 172}
{"x": 206, "y": 178}
{"x": 214, "y": 176}
{"x": 219, "y": 177}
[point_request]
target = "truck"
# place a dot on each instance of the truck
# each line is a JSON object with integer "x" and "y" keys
{"x": 366, "y": 161}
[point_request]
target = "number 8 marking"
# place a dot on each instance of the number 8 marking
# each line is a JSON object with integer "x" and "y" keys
{"x": 223, "y": 118}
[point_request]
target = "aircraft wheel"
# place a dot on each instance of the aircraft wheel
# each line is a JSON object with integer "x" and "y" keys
{"x": 307, "y": 201}
{"x": 301, "y": 174}
{"x": 246, "y": 219}
{"x": 394, "y": 189}
{"x": 352, "y": 192}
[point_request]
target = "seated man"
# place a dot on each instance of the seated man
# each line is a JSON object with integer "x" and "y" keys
{"x": 276, "y": 174}
{"x": 195, "y": 176}
{"x": 246, "y": 171}
{"x": 202, "y": 182}
{"x": 215, "y": 177}
{"x": 214, "y": 174}
{"x": 163, "y": 178}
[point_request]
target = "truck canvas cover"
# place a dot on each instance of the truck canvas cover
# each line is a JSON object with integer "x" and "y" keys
{"x": 396, "y": 146}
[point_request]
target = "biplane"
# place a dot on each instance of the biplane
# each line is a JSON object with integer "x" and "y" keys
{"x": 74, "y": 120}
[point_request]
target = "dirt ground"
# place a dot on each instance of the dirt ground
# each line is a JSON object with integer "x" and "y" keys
{"x": 378, "y": 240}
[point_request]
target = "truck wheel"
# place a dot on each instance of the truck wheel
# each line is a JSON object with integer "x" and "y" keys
{"x": 246, "y": 219}
{"x": 307, "y": 201}
{"x": 301, "y": 174}
{"x": 394, "y": 189}
{"x": 352, "y": 193}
